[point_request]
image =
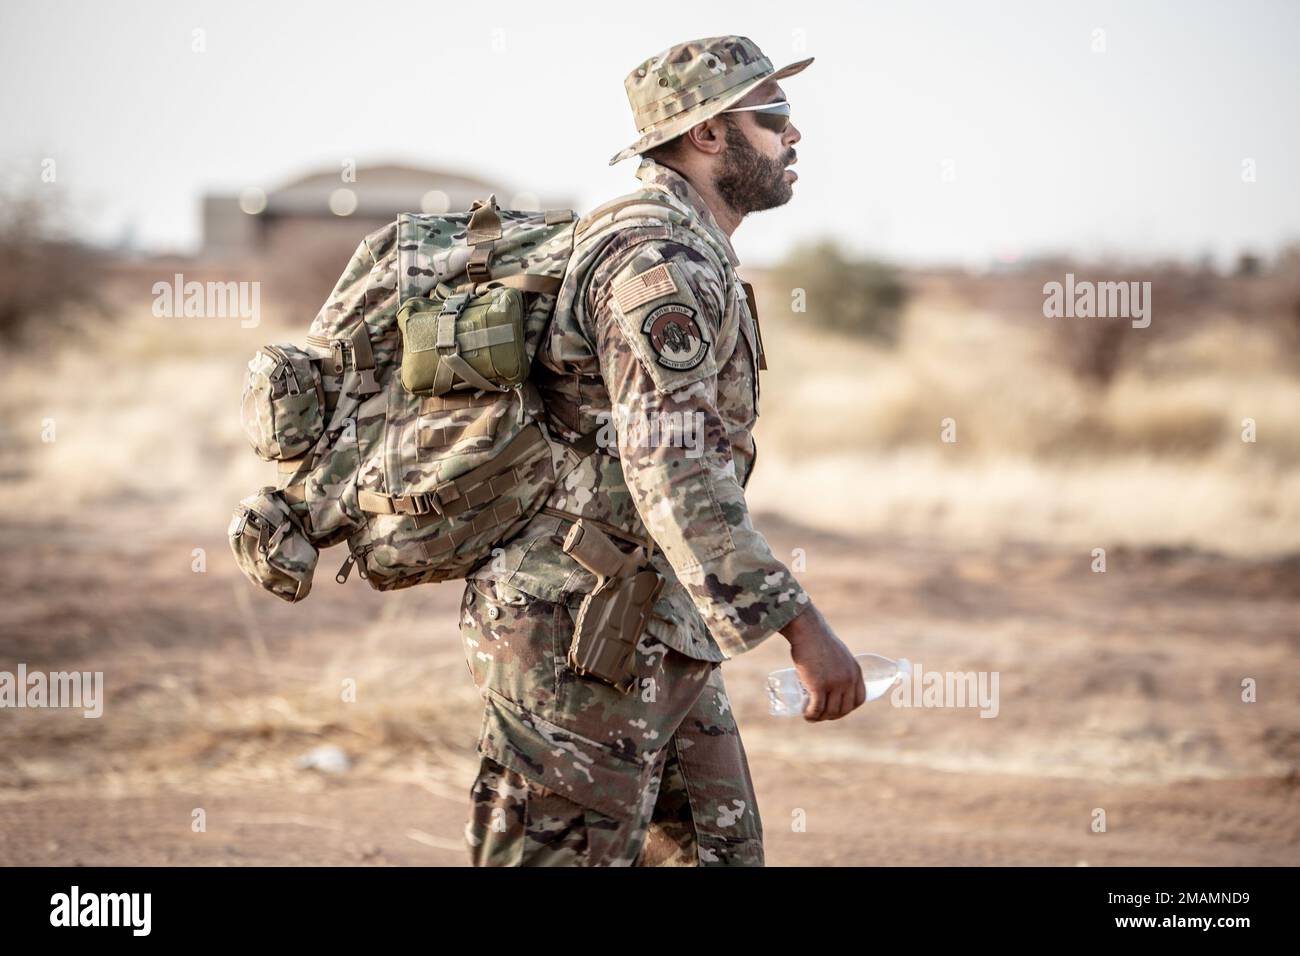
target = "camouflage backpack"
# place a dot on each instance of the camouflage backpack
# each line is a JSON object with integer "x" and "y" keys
{"x": 407, "y": 426}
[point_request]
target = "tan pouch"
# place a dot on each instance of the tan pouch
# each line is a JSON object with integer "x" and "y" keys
{"x": 282, "y": 403}
{"x": 270, "y": 546}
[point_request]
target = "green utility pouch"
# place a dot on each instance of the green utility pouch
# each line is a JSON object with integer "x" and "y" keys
{"x": 463, "y": 341}
{"x": 270, "y": 546}
{"x": 612, "y": 618}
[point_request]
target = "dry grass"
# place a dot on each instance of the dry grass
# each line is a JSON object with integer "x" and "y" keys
{"x": 850, "y": 435}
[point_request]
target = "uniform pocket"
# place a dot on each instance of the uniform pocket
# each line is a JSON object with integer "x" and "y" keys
{"x": 567, "y": 763}
{"x": 270, "y": 546}
{"x": 281, "y": 406}
{"x": 514, "y": 643}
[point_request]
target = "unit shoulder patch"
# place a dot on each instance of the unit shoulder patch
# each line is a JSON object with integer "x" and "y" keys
{"x": 675, "y": 336}
{"x": 653, "y": 283}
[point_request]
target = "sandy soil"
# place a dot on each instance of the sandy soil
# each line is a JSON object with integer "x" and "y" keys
{"x": 1118, "y": 691}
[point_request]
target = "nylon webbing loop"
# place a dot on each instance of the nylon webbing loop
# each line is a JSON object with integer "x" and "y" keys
{"x": 455, "y": 401}
{"x": 484, "y": 223}
{"x": 489, "y": 520}
{"x": 444, "y": 436}
{"x": 363, "y": 359}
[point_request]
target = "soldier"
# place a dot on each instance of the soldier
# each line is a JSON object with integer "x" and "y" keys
{"x": 654, "y": 334}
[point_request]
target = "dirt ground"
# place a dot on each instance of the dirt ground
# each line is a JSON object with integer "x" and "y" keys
{"x": 1118, "y": 692}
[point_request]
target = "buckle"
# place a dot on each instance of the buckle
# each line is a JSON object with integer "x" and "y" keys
{"x": 454, "y": 303}
{"x": 421, "y": 503}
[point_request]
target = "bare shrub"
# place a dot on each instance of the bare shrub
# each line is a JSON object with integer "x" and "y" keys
{"x": 49, "y": 281}
{"x": 860, "y": 297}
{"x": 1094, "y": 350}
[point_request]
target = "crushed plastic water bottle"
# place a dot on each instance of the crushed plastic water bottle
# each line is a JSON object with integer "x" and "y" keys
{"x": 788, "y": 698}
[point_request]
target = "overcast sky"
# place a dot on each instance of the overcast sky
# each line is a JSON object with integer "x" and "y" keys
{"x": 933, "y": 132}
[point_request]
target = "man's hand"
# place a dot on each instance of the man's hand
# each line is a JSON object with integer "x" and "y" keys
{"x": 825, "y": 666}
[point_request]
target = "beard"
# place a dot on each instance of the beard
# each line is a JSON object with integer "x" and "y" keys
{"x": 749, "y": 181}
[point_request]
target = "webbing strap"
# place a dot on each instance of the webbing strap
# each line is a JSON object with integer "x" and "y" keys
{"x": 453, "y": 363}
{"x": 483, "y": 232}
{"x": 524, "y": 282}
{"x": 478, "y": 268}
{"x": 609, "y": 529}
{"x": 431, "y": 502}
{"x": 611, "y": 207}
{"x": 485, "y": 338}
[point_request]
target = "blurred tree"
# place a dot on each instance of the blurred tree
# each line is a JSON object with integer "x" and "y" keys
{"x": 1095, "y": 349}
{"x": 861, "y": 297}
{"x": 1248, "y": 264}
{"x": 43, "y": 274}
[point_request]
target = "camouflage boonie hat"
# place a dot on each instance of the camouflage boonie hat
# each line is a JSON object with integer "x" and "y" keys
{"x": 689, "y": 82}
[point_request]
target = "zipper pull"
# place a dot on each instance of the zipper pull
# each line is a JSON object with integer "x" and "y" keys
{"x": 284, "y": 370}
{"x": 519, "y": 392}
{"x": 356, "y": 558}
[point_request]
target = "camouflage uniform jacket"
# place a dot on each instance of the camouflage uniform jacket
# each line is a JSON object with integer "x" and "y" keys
{"x": 653, "y": 338}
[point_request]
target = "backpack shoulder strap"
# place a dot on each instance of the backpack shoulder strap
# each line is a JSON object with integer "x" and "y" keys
{"x": 605, "y": 215}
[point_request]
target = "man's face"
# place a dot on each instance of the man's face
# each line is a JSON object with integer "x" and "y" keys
{"x": 751, "y": 172}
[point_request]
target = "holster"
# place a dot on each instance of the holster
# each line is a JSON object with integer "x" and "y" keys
{"x": 611, "y": 618}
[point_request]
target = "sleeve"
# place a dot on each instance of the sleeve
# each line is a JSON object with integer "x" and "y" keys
{"x": 657, "y": 323}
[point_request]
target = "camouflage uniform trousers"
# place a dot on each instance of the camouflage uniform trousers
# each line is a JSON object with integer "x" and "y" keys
{"x": 575, "y": 773}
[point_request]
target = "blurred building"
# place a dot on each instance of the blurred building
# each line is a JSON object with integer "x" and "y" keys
{"x": 329, "y": 215}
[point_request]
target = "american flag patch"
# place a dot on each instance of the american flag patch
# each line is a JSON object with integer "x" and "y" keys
{"x": 644, "y": 286}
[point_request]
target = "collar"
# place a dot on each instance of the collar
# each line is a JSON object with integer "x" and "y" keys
{"x": 658, "y": 176}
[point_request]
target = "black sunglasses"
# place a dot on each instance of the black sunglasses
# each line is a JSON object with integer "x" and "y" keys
{"x": 773, "y": 116}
